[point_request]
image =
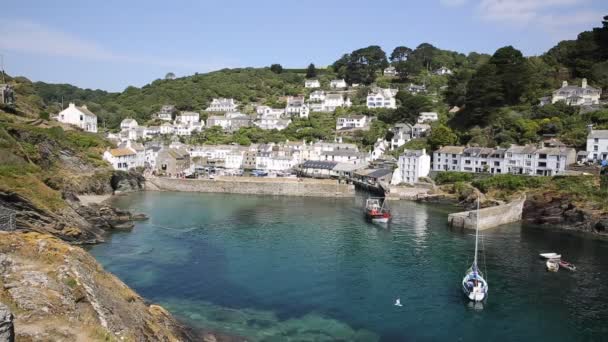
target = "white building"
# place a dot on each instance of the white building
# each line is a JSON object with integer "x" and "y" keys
{"x": 317, "y": 96}
{"x": 522, "y": 160}
{"x": 338, "y": 84}
{"x": 166, "y": 113}
{"x": 345, "y": 156}
{"x": 380, "y": 147}
{"x": 128, "y": 124}
{"x": 234, "y": 159}
{"x": 222, "y": 105}
{"x": 266, "y": 110}
{"x": 382, "y": 98}
{"x": 412, "y": 165}
{"x": 428, "y": 117}
{"x": 271, "y": 162}
{"x": 447, "y": 158}
{"x": 577, "y": 96}
{"x": 420, "y": 130}
{"x": 352, "y": 122}
{"x": 166, "y": 128}
{"x": 297, "y": 107}
{"x": 333, "y": 101}
{"x": 443, "y": 71}
{"x": 79, "y": 116}
{"x": 402, "y": 133}
{"x": 597, "y": 144}
{"x": 390, "y": 71}
{"x": 188, "y": 118}
{"x": 312, "y": 84}
{"x": 271, "y": 121}
{"x": 121, "y": 158}
{"x": 416, "y": 89}
{"x": 151, "y": 155}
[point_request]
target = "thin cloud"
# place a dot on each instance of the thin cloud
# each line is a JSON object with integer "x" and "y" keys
{"x": 30, "y": 37}
{"x": 521, "y": 11}
{"x": 453, "y": 3}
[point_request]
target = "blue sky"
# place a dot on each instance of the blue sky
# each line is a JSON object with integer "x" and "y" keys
{"x": 113, "y": 44}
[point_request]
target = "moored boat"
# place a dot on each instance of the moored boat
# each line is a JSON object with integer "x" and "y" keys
{"x": 552, "y": 265}
{"x": 474, "y": 286}
{"x": 376, "y": 211}
{"x": 550, "y": 255}
{"x": 567, "y": 265}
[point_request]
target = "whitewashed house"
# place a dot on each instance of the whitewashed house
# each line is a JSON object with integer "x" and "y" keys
{"x": 271, "y": 121}
{"x": 151, "y": 155}
{"x": 380, "y": 147}
{"x": 234, "y": 159}
{"x": 447, "y": 158}
{"x": 166, "y": 128}
{"x": 428, "y": 117}
{"x": 128, "y": 124}
{"x": 390, "y": 71}
{"x": 188, "y": 118}
{"x": 230, "y": 121}
{"x": 338, "y": 84}
{"x": 597, "y": 144}
{"x": 352, "y": 122}
{"x": 266, "y": 110}
{"x": 382, "y": 98}
{"x": 121, "y": 158}
{"x": 166, "y": 113}
{"x": 317, "y": 96}
{"x": 420, "y": 130}
{"x": 412, "y": 165}
{"x": 476, "y": 159}
{"x": 297, "y": 107}
{"x": 402, "y": 133}
{"x": 333, "y": 101}
{"x": 577, "y": 96}
{"x": 443, "y": 71}
{"x": 312, "y": 84}
{"x": 222, "y": 105}
{"x": 151, "y": 131}
{"x": 346, "y": 156}
{"x": 81, "y": 117}
{"x": 416, "y": 89}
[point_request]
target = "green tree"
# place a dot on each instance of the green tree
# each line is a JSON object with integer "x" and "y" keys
{"x": 410, "y": 107}
{"x": 441, "y": 135}
{"x": 361, "y": 66}
{"x": 456, "y": 93}
{"x": 276, "y": 68}
{"x": 170, "y": 76}
{"x": 513, "y": 72}
{"x": 311, "y": 71}
{"x": 400, "y": 54}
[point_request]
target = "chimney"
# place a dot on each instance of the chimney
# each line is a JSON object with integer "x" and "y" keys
{"x": 564, "y": 84}
{"x": 589, "y": 128}
{"x": 584, "y": 83}
{"x": 71, "y": 105}
{"x": 84, "y": 106}
{"x": 424, "y": 151}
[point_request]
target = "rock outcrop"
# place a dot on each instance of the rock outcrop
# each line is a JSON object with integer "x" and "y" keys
{"x": 558, "y": 211}
{"x": 7, "y": 330}
{"x": 58, "y": 292}
{"x": 130, "y": 181}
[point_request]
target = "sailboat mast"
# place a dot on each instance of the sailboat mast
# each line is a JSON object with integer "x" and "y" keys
{"x": 476, "y": 232}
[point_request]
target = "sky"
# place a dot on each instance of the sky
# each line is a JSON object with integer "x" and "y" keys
{"x": 113, "y": 44}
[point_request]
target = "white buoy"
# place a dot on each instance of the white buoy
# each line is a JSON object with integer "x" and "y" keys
{"x": 398, "y": 302}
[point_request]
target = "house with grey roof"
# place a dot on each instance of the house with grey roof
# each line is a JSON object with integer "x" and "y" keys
{"x": 584, "y": 95}
{"x": 597, "y": 144}
{"x": 222, "y": 105}
{"x": 412, "y": 165}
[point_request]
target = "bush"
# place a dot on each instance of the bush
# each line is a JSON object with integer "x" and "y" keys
{"x": 509, "y": 182}
{"x": 453, "y": 177}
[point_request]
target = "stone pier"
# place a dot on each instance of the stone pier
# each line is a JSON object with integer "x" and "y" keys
{"x": 488, "y": 217}
{"x": 305, "y": 187}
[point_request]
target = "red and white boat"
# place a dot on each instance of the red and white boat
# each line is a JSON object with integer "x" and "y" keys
{"x": 375, "y": 210}
{"x": 567, "y": 265}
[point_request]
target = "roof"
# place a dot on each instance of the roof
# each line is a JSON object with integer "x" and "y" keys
{"x": 346, "y": 167}
{"x": 316, "y": 164}
{"x": 334, "y": 96}
{"x": 119, "y": 152}
{"x": 128, "y": 121}
{"x": 86, "y": 111}
{"x": 555, "y": 151}
{"x": 527, "y": 149}
{"x": 451, "y": 149}
{"x": 342, "y": 153}
{"x": 412, "y": 153}
{"x": 380, "y": 173}
{"x": 598, "y": 134}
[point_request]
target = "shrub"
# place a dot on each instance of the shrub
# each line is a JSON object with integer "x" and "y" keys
{"x": 509, "y": 182}
{"x": 453, "y": 177}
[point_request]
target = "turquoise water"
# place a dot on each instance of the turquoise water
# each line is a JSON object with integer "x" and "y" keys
{"x": 309, "y": 269}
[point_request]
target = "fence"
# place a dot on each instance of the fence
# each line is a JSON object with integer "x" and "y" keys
{"x": 7, "y": 219}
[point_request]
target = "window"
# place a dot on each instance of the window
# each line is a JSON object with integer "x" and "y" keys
{"x": 496, "y": 163}
{"x": 542, "y": 156}
{"x": 595, "y": 148}
{"x": 529, "y": 156}
{"x": 81, "y": 118}
{"x": 468, "y": 162}
{"x": 596, "y": 140}
{"x": 509, "y": 155}
{"x": 542, "y": 164}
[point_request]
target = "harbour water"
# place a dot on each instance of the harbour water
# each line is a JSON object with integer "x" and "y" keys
{"x": 311, "y": 269}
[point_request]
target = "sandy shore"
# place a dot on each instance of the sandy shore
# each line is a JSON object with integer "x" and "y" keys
{"x": 93, "y": 199}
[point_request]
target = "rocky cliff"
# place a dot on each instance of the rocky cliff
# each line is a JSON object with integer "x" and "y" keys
{"x": 58, "y": 292}
{"x": 558, "y": 210}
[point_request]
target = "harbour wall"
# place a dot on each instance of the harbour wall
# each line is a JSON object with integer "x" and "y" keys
{"x": 488, "y": 217}
{"x": 255, "y": 186}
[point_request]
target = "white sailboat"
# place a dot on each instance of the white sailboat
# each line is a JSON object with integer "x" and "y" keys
{"x": 475, "y": 287}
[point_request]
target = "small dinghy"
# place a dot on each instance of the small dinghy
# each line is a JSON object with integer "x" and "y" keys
{"x": 553, "y": 265}
{"x": 550, "y": 255}
{"x": 567, "y": 265}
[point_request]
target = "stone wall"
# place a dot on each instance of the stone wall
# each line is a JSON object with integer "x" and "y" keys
{"x": 255, "y": 186}
{"x": 488, "y": 217}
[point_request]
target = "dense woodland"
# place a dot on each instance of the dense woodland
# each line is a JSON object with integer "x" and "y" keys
{"x": 498, "y": 94}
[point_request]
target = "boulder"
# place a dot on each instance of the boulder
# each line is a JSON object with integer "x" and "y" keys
{"x": 7, "y": 329}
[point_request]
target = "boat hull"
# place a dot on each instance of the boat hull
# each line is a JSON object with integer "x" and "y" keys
{"x": 476, "y": 293}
